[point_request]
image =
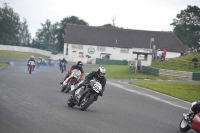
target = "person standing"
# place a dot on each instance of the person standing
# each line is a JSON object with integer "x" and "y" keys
{"x": 164, "y": 53}
{"x": 154, "y": 55}
{"x": 195, "y": 60}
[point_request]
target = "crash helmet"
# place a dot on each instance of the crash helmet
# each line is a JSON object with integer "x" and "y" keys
{"x": 32, "y": 57}
{"x": 101, "y": 71}
{"x": 79, "y": 64}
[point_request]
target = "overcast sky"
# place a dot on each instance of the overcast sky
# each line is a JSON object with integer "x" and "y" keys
{"x": 153, "y": 15}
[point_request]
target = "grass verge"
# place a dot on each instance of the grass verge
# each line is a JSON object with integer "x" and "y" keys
{"x": 4, "y": 64}
{"x": 19, "y": 55}
{"x": 187, "y": 92}
{"x": 122, "y": 72}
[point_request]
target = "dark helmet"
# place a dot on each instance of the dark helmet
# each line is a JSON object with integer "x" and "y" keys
{"x": 101, "y": 72}
{"x": 79, "y": 64}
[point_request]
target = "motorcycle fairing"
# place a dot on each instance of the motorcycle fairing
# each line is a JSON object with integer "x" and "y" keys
{"x": 196, "y": 122}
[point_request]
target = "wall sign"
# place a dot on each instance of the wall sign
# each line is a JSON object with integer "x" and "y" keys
{"x": 91, "y": 50}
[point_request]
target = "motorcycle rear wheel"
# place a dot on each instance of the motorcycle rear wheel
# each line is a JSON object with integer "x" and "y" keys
{"x": 184, "y": 126}
{"x": 85, "y": 103}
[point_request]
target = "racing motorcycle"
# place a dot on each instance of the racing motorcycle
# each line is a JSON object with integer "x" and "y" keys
{"x": 51, "y": 64}
{"x": 188, "y": 123}
{"x": 31, "y": 66}
{"x": 71, "y": 80}
{"x": 38, "y": 63}
{"x": 63, "y": 67}
{"x": 85, "y": 95}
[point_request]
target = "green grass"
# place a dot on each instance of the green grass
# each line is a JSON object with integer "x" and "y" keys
{"x": 122, "y": 72}
{"x": 185, "y": 58}
{"x": 4, "y": 64}
{"x": 19, "y": 55}
{"x": 187, "y": 92}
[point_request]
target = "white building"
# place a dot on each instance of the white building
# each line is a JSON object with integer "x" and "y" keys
{"x": 86, "y": 43}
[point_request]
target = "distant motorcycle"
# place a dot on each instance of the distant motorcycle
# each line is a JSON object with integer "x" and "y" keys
{"x": 186, "y": 124}
{"x": 31, "y": 66}
{"x": 51, "y": 64}
{"x": 38, "y": 63}
{"x": 71, "y": 80}
{"x": 63, "y": 67}
{"x": 85, "y": 95}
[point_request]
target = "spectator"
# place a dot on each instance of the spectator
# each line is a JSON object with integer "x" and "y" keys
{"x": 154, "y": 55}
{"x": 165, "y": 53}
{"x": 195, "y": 60}
{"x": 159, "y": 54}
{"x": 189, "y": 51}
{"x": 198, "y": 50}
{"x": 192, "y": 50}
{"x": 182, "y": 53}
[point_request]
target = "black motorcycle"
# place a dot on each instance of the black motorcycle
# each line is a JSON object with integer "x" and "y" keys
{"x": 85, "y": 95}
{"x": 63, "y": 67}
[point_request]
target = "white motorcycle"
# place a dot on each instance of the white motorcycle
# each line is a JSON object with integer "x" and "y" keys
{"x": 71, "y": 81}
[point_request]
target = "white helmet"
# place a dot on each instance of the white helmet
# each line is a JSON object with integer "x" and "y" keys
{"x": 101, "y": 71}
{"x": 32, "y": 57}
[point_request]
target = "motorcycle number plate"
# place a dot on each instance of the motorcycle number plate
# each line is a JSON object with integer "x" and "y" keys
{"x": 31, "y": 63}
{"x": 72, "y": 87}
{"x": 97, "y": 87}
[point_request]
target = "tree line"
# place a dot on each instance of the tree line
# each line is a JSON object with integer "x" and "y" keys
{"x": 50, "y": 36}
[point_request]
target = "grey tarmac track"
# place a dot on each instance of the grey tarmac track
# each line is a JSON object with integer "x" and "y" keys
{"x": 33, "y": 103}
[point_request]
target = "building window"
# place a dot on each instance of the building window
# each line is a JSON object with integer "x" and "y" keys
{"x": 77, "y": 46}
{"x": 124, "y": 50}
{"x": 101, "y": 48}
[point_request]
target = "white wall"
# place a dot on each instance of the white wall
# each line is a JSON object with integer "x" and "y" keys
{"x": 31, "y": 50}
{"x": 115, "y": 54}
{"x": 172, "y": 55}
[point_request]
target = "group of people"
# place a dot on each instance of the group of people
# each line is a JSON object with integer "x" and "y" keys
{"x": 159, "y": 55}
{"x": 192, "y": 50}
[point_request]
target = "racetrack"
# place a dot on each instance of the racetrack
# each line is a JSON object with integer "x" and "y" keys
{"x": 33, "y": 103}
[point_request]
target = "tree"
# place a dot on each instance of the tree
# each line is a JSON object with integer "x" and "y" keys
{"x": 47, "y": 36}
{"x": 187, "y": 26}
{"x": 108, "y": 25}
{"x": 24, "y": 35}
{"x": 63, "y": 26}
{"x": 9, "y": 26}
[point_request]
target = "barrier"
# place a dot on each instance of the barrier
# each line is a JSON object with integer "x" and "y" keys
{"x": 111, "y": 62}
{"x": 171, "y": 73}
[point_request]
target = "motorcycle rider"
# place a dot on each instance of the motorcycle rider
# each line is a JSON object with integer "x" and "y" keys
{"x": 193, "y": 111}
{"x": 99, "y": 75}
{"x": 50, "y": 62}
{"x": 63, "y": 61}
{"x": 31, "y": 59}
{"x": 78, "y": 66}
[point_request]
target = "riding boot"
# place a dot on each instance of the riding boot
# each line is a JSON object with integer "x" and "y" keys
{"x": 189, "y": 116}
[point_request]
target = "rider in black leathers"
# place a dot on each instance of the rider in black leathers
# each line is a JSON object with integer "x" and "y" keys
{"x": 193, "y": 111}
{"x": 98, "y": 75}
{"x": 63, "y": 61}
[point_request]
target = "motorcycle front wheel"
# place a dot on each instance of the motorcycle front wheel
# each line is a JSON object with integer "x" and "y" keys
{"x": 85, "y": 103}
{"x": 64, "y": 88}
{"x": 70, "y": 101}
{"x": 184, "y": 126}
{"x": 30, "y": 69}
